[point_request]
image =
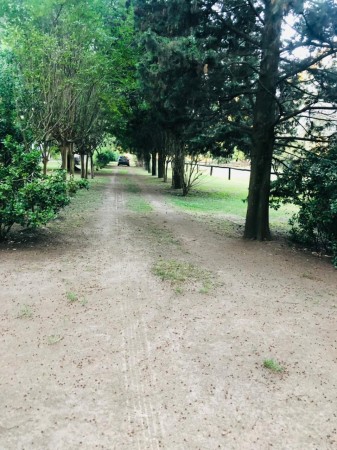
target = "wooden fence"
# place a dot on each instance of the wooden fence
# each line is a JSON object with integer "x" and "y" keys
{"x": 229, "y": 168}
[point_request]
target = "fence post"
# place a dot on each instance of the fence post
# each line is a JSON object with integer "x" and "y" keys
{"x": 211, "y": 172}
{"x": 229, "y": 173}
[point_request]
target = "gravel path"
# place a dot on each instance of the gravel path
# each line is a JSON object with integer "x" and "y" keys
{"x": 98, "y": 352}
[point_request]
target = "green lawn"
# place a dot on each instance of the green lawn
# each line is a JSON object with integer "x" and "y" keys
{"x": 54, "y": 164}
{"x": 216, "y": 195}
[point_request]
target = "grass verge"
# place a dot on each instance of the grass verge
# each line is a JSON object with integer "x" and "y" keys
{"x": 223, "y": 199}
{"x": 181, "y": 273}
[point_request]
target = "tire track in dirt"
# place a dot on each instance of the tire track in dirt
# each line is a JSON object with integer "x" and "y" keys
{"x": 144, "y": 421}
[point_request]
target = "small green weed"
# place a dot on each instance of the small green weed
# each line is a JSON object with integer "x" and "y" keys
{"x": 25, "y": 312}
{"x": 72, "y": 297}
{"x": 54, "y": 339}
{"x": 273, "y": 365}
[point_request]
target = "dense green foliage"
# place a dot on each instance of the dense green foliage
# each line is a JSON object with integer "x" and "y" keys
{"x": 65, "y": 70}
{"x": 311, "y": 184}
{"x": 26, "y": 197}
{"x": 224, "y": 76}
{"x": 103, "y": 158}
{"x": 73, "y": 67}
{"x": 7, "y": 103}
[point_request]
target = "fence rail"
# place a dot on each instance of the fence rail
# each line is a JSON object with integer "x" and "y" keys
{"x": 229, "y": 168}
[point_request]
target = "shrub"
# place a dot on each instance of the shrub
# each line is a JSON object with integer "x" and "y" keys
{"x": 27, "y": 197}
{"x": 74, "y": 185}
{"x": 311, "y": 184}
{"x": 102, "y": 159}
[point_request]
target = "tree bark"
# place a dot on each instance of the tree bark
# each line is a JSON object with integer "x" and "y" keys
{"x": 86, "y": 166}
{"x": 178, "y": 167}
{"x": 167, "y": 162}
{"x": 161, "y": 164}
{"x": 147, "y": 162}
{"x": 45, "y": 163}
{"x": 64, "y": 155}
{"x": 92, "y": 172}
{"x": 82, "y": 166}
{"x": 71, "y": 161}
{"x": 263, "y": 134}
{"x": 154, "y": 162}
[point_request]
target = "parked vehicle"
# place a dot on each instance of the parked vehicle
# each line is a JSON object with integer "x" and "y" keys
{"x": 123, "y": 161}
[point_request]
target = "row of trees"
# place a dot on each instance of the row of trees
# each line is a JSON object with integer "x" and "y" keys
{"x": 258, "y": 75}
{"x": 70, "y": 65}
{"x": 65, "y": 70}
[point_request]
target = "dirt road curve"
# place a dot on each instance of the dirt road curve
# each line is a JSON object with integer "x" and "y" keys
{"x": 98, "y": 353}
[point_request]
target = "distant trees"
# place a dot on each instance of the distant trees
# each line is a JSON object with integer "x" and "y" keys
{"x": 170, "y": 72}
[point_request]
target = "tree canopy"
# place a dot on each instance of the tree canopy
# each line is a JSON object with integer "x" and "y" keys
{"x": 257, "y": 75}
{"x": 74, "y": 69}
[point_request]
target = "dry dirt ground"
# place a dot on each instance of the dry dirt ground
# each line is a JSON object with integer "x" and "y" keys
{"x": 98, "y": 352}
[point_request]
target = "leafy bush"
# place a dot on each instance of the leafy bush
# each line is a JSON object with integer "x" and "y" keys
{"x": 74, "y": 185}
{"x": 27, "y": 197}
{"x": 103, "y": 158}
{"x": 311, "y": 183}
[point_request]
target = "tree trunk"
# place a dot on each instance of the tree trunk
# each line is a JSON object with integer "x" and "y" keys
{"x": 263, "y": 134}
{"x": 167, "y": 162}
{"x": 86, "y": 166}
{"x": 45, "y": 163}
{"x": 178, "y": 167}
{"x": 154, "y": 162}
{"x": 71, "y": 163}
{"x": 64, "y": 155}
{"x": 147, "y": 162}
{"x": 161, "y": 164}
{"x": 92, "y": 172}
{"x": 82, "y": 166}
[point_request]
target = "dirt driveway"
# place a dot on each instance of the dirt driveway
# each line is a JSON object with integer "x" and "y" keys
{"x": 98, "y": 352}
